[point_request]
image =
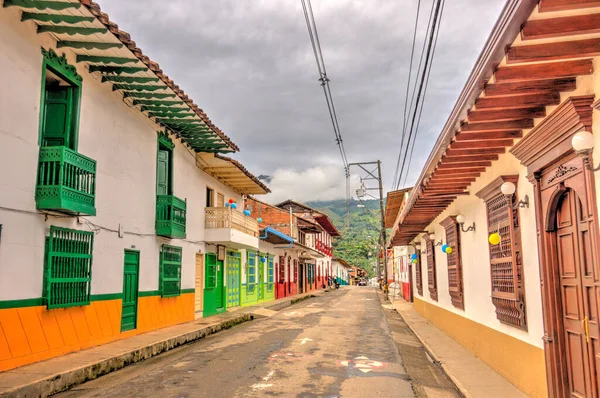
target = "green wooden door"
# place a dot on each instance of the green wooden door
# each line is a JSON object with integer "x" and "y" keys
{"x": 130, "y": 290}
{"x": 234, "y": 265}
{"x": 214, "y": 302}
{"x": 56, "y": 127}
{"x": 261, "y": 278}
{"x": 162, "y": 173}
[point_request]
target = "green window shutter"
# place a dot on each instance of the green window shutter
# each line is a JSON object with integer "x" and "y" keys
{"x": 251, "y": 272}
{"x": 170, "y": 271}
{"x": 211, "y": 270}
{"x": 67, "y": 268}
{"x": 162, "y": 173}
{"x": 270, "y": 274}
{"x": 58, "y": 108}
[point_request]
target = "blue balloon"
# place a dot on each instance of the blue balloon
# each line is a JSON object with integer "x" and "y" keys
{"x": 444, "y": 248}
{"x": 414, "y": 256}
{"x": 247, "y": 212}
{"x": 263, "y": 259}
{"x": 259, "y": 219}
{"x": 233, "y": 205}
{"x": 226, "y": 204}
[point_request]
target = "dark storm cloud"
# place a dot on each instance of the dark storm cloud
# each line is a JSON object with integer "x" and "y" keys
{"x": 249, "y": 65}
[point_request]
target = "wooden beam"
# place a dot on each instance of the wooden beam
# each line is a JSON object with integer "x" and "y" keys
{"x": 134, "y": 94}
{"x": 469, "y": 171}
{"x": 165, "y": 103}
{"x": 507, "y": 125}
{"x": 530, "y": 87}
{"x": 105, "y": 60}
{"x": 459, "y": 159}
{"x": 565, "y": 26}
{"x": 69, "y": 30}
{"x": 42, "y": 5}
{"x": 506, "y": 114}
{"x": 482, "y": 144}
{"x": 88, "y": 45}
{"x": 490, "y": 135}
{"x": 449, "y": 179}
{"x": 56, "y": 18}
{"x": 549, "y": 70}
{"x": 554, "y": 51}
{"x": 519, "y": 101}
{"x": 130, "y": 79}
{"x": 463, "y": 165}
{"x": 117, "y": 70}
{"x": 471, "y": 152}
{"x": 562, "y": 5}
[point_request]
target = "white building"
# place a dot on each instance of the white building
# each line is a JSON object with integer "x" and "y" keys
{"x": 109, "y": 174}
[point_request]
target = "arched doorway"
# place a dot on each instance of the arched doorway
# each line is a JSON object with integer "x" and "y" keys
{"x": 578, "y": 296}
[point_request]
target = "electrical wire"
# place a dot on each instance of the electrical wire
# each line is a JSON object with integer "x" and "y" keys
{"x": 421, "y": 83}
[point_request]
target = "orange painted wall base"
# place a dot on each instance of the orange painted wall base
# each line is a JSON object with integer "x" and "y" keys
{"x": 33, "y": 334}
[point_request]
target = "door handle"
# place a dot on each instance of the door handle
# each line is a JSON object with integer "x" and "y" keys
{"x": 586, "y": 328}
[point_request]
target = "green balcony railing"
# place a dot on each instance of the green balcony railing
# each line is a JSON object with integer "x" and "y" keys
{"x": 66, "y": 181}
{"x": 170, "y": 216}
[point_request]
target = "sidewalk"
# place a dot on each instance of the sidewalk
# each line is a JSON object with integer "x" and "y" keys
{"x": 58, "y": 374}
{"x": 472, "y": 377}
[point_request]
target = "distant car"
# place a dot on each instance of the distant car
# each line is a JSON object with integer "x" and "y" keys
{"x": 362, "y": 283}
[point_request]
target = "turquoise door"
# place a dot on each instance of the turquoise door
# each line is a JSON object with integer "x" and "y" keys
{"x": 214, "y": 302}
{"x": 130, "y": 290}
{"x": 234, "y": 265}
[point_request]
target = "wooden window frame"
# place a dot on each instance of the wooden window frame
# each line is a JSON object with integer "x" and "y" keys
{"x": 431, "y": 269}
{"x": 454, "y": 264}
{"x": 419, "y": 273}
{"x": 281, "y": 269}
{"x": 67, "y": 268}
{"x": 210, "y": 203}
{"x": 510, "y": 306}
{"x": 165, "y": 143}
{"x": 270, "y": 273}
{"x": 166, "y": 268}
{"x": 251, "y": 286}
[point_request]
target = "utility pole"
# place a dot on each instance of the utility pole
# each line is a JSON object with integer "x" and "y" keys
{"x": 375, "y": 174}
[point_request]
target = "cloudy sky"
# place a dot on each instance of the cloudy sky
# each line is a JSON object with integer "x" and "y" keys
{"x": 249, "y": 64}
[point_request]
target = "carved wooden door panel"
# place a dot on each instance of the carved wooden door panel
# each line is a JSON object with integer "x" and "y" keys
{"x": 578, "y": 296}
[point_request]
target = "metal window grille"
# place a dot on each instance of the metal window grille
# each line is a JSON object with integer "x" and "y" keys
{"x": 67, "y": 268}
{"x": 170, "y": 271}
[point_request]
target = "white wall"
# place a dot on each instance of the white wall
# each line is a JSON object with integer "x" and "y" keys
{"x": 124, "y": 144}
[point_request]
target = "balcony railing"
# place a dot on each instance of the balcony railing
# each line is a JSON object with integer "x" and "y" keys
{"x": 66, "y": 181}
{"x": 323, "y": 248}
{"x": 225, "y": 217}
{"x": 170, "y": 216}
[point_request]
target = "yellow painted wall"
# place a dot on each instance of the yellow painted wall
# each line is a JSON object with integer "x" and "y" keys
{"x": 521, "y": 363}
{"x": 32, "y": 334}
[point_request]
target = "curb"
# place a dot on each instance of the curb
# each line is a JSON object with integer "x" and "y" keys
{"x": 461, "y": 389}
{"x": 60, "y": 382}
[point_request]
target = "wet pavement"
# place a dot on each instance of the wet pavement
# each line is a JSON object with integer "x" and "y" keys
{"x": 343, "y": 344}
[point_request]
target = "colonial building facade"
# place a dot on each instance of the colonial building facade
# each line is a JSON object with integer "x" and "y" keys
{"x": 503, "y": 219}
{"x": 110, "y": 180}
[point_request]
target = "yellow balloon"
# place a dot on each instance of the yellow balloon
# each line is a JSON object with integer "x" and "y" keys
{"x": 494, "y": 238}
{"x": 448, "y": 250}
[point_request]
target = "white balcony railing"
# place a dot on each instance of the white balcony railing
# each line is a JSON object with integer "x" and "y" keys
{"x": 226, "y": 217}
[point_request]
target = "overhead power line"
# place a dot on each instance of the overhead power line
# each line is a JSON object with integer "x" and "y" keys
{"x": 410, "y": 129}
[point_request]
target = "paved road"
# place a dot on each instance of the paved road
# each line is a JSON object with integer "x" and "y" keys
{"x": 343, "y": 344}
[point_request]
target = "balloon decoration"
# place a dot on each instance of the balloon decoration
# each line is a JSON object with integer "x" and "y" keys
{"x": 234, "y": 205}
{"x": 414, "y": 261}
{"x": 246, "y": 212}
{"x": 494, "y": 238}
{"x": 231, "y": 201}
{"x": 444, "y": 248}
{"x": 263, "y": 259}
{"x": 414, "y": 256}
{"x": 448, "y": 250}
{"x": 259, "y": 220}
{"x": 226, "y": 204}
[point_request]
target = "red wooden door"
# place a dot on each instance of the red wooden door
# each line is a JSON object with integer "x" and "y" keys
{"x": 578, "y": 296}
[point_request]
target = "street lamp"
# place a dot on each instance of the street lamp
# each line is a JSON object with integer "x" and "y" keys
{"x": 508, "y": 189}
{"x": 460, "y": 219}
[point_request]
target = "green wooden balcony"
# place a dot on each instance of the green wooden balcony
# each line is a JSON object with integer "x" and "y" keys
{"x": 170, "y": 216}
{"x": 66, "y": 181}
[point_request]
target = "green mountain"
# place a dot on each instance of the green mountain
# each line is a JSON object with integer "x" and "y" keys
{"x": 358, "y": 244}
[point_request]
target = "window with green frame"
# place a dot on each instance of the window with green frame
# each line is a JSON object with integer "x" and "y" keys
{"x": 270, "y": 274}
{"x": 67, "y": 268}
{"x": 164, "y": 165}
{"x": 170, "y": 270}
{"x": 251, "y": 277}
{"x": 211, "y": 270}
{"x": 60, "y": 102}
